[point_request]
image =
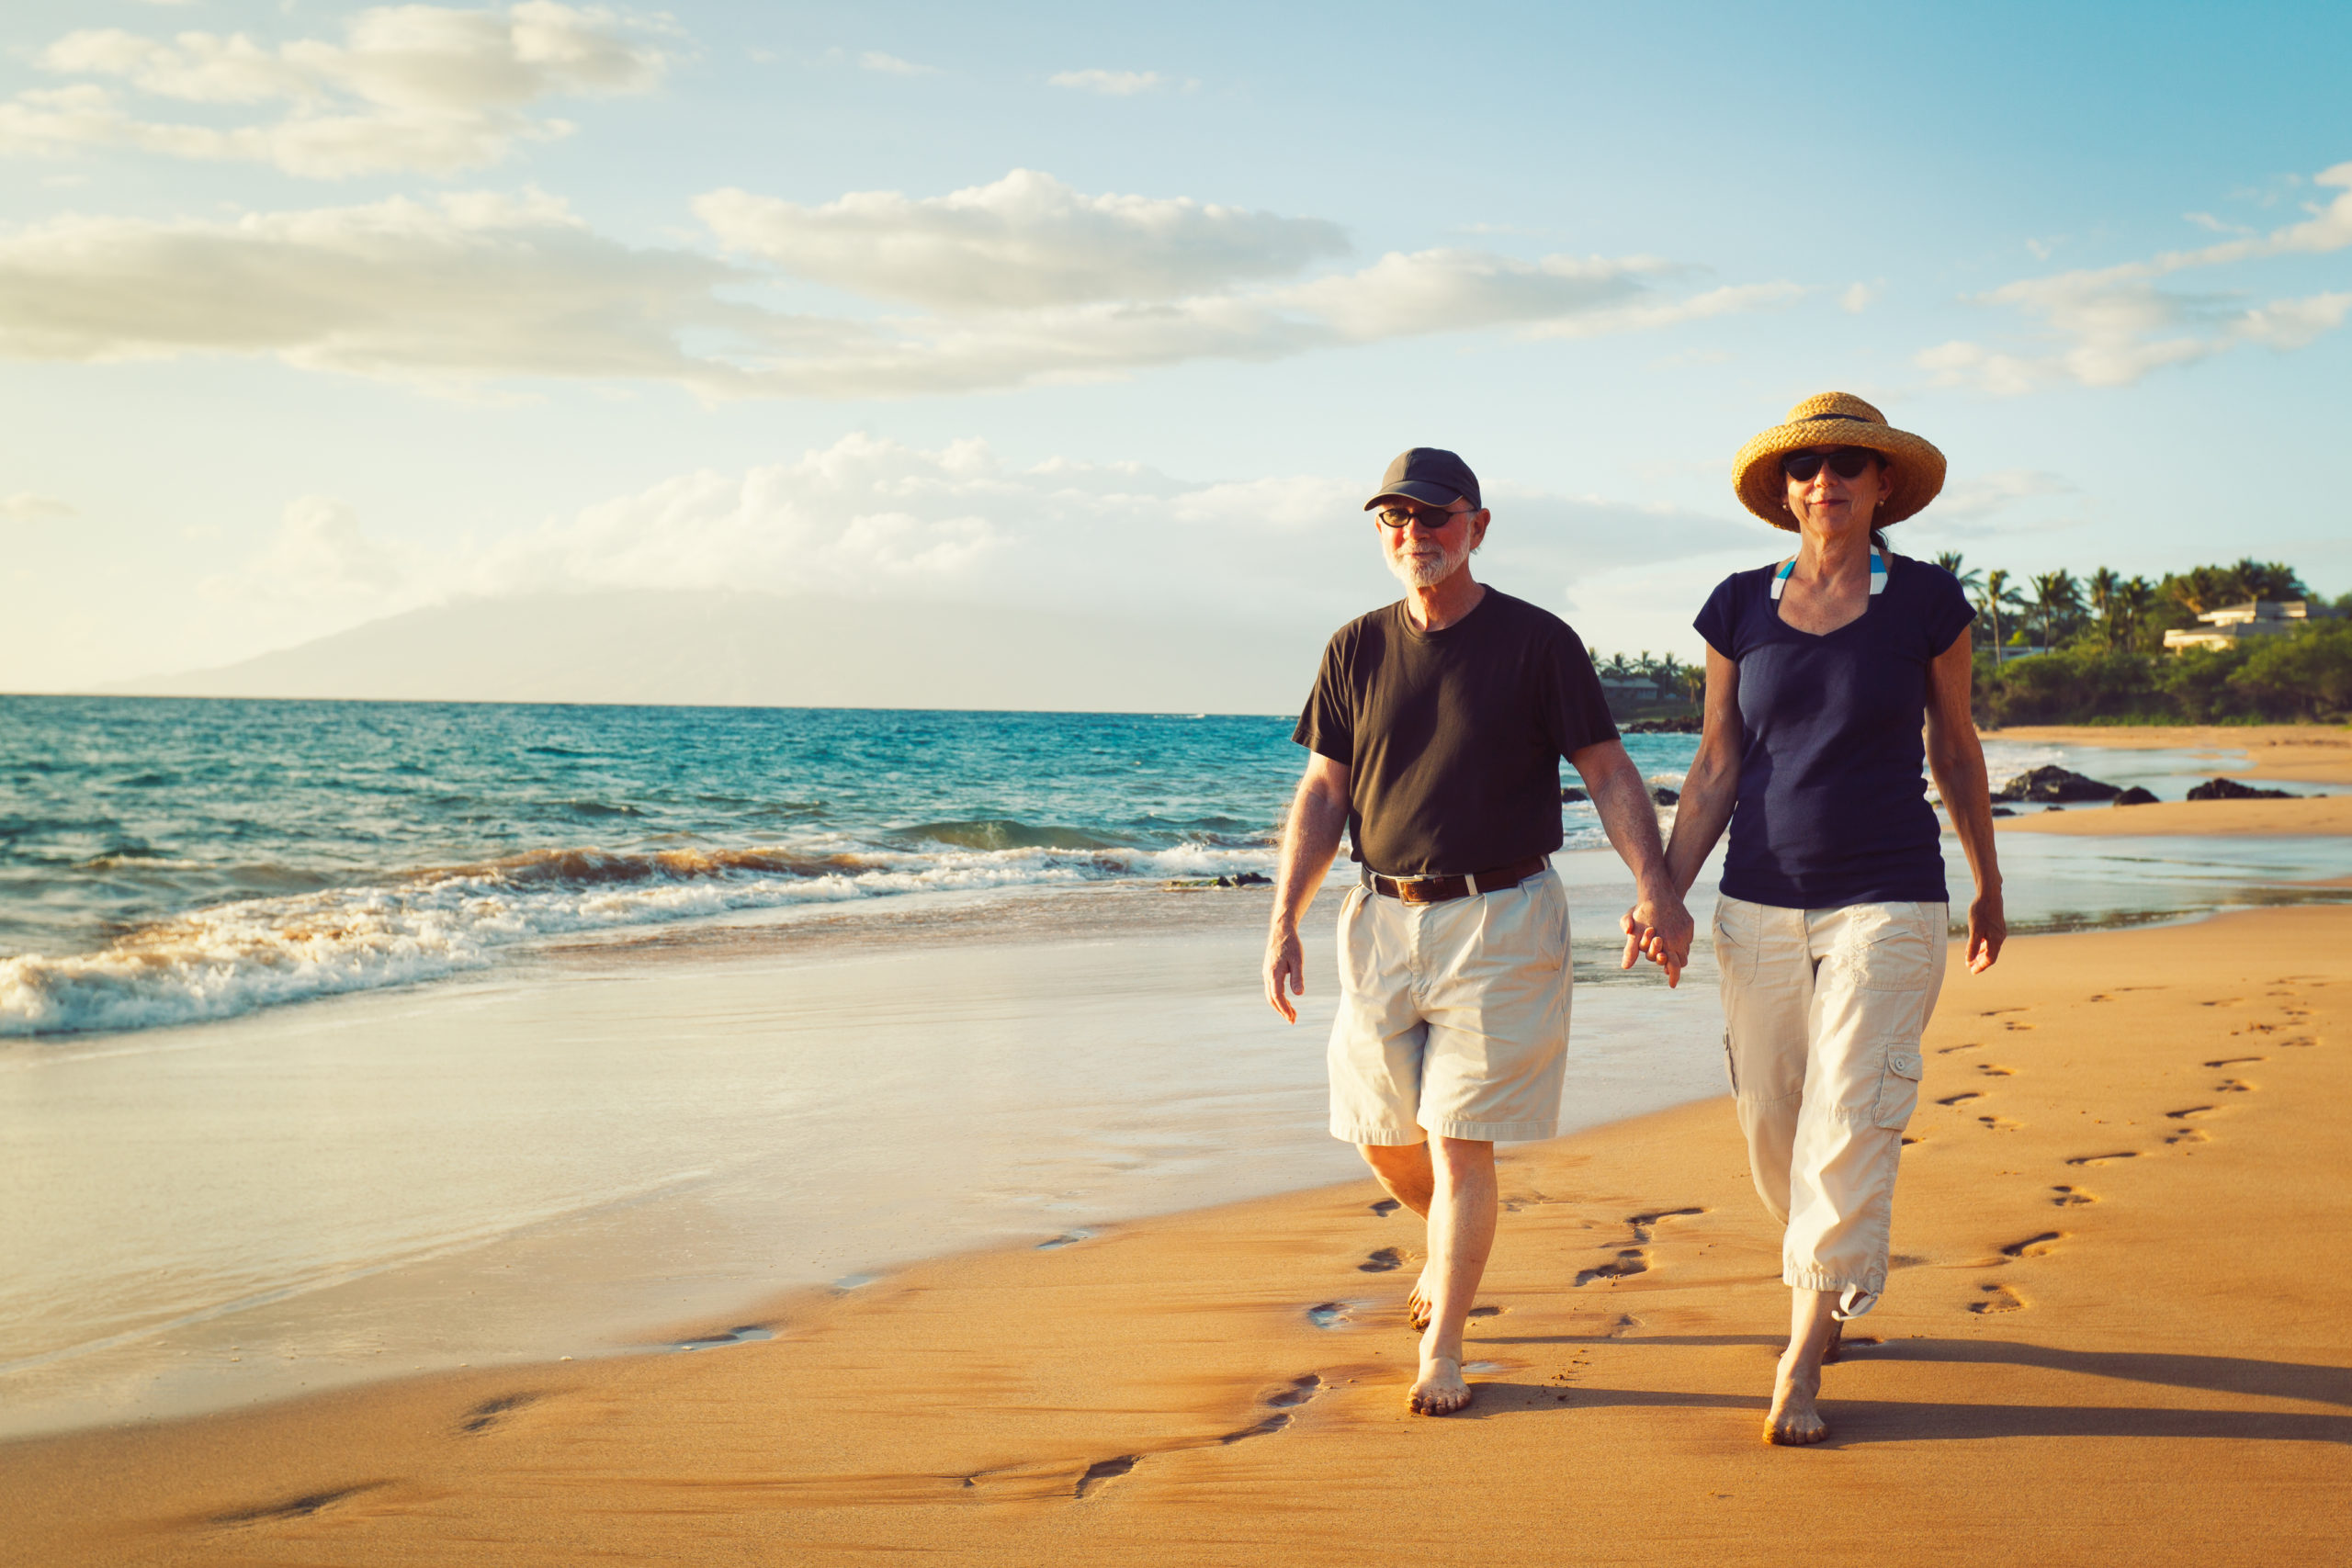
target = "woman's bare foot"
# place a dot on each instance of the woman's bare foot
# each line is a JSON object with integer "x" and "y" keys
{"x": 1440, "y": 1391}
{"x": 1793, "y": 1421}
{"x": 1417, "y": 1305}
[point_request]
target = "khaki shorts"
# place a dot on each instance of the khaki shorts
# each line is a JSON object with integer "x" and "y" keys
{"x": 1454, "y": 1016}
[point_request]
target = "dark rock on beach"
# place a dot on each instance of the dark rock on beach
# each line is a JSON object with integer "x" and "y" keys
{"x": 2049, "y": 786}
{"x": 2230, "y": 789}
{"x": 1663, "y": 795}
{"x": 1662, "y": 726}
{"x": 2135, "y": 796}
{"x": 2004, "y": 811}
{"x": 1573, "y": 795}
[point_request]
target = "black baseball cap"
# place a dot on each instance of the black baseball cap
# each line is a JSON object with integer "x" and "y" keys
{"x": 1430, "y": 475}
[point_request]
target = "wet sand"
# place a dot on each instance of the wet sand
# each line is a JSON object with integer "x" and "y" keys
{"x": 2316, "y": 816}
{"x": 2116, "y": 1332}
{"x": 2313, "y": 753}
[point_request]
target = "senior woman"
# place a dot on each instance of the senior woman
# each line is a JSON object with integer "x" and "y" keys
{"x": 1831, "y": 925}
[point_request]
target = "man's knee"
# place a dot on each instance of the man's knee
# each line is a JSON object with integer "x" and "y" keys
{"x": 1463, "y": 1156}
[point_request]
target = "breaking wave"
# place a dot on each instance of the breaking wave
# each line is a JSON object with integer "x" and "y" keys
{"x": 233, "y": 957}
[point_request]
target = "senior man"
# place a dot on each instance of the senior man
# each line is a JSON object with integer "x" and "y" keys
{"x": 1435, "y": 730}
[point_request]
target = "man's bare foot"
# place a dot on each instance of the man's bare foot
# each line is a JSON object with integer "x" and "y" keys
{"x": 1831, "y": 1352}
{"x": 1440, "y": 1391}
{"x": 1417, "y": 1305}
{"x": 1793, "y": 1421}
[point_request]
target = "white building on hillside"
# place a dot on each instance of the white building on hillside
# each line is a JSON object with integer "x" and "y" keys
{"x": 2234, "y": 624}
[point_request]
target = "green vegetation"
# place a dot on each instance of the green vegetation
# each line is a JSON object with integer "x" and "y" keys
{"x": 2105, "y": 661}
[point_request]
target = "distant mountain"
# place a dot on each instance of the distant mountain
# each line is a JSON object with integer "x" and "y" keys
{"x": 755, "y": 649}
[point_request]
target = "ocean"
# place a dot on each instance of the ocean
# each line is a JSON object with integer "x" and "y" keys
{"x": 165, "y": 862}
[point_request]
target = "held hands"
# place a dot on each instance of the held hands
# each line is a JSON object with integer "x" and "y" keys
{"x": 1987, "y": 930}
{"x": 1284, "y": 963}
{"x": 1659, "y": 929}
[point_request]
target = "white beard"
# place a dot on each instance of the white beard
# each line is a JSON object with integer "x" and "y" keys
{"x": 1427, "y": 571}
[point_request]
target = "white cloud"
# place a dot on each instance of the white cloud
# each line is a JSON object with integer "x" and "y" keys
{"x": 2110, "y": 326}
{"x": 876, "y": 519}
{"x": 1027, "y": 240}
{"x": 410, "y": 88}
{"x": 469, "y": 287}
{"x": 892, "y": 65}
{"x": 476, "y": 287}
{"x": 1858, "y": 297}
{"x": 319, "y": 559}
{"x": 26, "y": 507}
{"x": 1111, "y": 83}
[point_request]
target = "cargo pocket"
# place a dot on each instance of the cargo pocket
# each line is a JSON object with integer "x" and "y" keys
{"x": 1736, "y": 934}
{"x": 1896, "y": 953}
{"x": 1898, "y": 1089}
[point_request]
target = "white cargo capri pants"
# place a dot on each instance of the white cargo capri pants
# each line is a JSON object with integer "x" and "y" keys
{"x": 1823, "y": 1011}
{"x": 1454, "y": 1016}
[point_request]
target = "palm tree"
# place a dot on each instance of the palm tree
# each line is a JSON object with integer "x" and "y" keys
{"x": 2056, "y": 594}
{"x": 2129, "y": 606}
{"x": 1970, "y": 581}
{"x": 1993, "y": 596}
{"x": 2103, "y": 584}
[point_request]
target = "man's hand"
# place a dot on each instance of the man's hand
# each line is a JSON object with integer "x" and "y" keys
{"x": 1659, "y": 929}
{"x": 1285, "y": 964}
{"x": 1987, "y": 930}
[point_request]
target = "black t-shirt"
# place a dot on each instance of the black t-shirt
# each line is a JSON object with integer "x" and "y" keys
{"x": 1833, "y": 804}
{"x": 1453, "y": 738}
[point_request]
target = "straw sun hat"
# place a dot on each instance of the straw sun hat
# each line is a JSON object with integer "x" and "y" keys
{"x": 1914, "y": 468}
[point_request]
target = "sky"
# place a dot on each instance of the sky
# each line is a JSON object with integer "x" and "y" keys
{"x": 313, "y": 314}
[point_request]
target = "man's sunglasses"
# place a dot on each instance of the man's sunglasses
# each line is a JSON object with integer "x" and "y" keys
{"x": 1428, "y": 517}
{"x": 1847, "y": 463}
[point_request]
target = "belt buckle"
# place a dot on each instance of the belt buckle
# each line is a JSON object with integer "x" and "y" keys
{"x": 1411, "y": 889}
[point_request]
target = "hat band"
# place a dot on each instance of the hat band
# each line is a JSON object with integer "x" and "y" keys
{"x": 1817, "y": 418}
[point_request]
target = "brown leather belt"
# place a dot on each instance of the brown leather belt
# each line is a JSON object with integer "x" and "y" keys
{"x": 1440, "y": 889}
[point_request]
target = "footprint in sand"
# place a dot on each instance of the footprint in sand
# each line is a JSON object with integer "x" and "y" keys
{"x": 1489, "y": 1312}
{"x": 1630, "y": 1261}
{"x": 1381, "y": 1262}
{"x": 301, "y": 1507}
{"x": 485, "y": 1415}
{"x": 1387, "y": 1207}
{"x": 2070, "y": 1195}
{"x": 2102, "y": 1160}
{"x": 2234, "y": 1085}
{"x": 1328, "y": 1315}
{"x": 2236, "y": 1061}
{"x": 1948, "y": 1050}
{"x": 1645, "y": 1223}
{"x": 1995, "y": 1013}
{"x": 1993, "y": 1070}
{"x": 2034, "y": 1245}
{"x": 1997, "y": 1298}
{"x": 2019, "y": 1026}
{"x": 1960, "y": 1099}
{"x": 2000, "y": 1124}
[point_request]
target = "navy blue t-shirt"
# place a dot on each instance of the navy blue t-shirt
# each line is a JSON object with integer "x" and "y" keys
{"x": 1833, "y": 801}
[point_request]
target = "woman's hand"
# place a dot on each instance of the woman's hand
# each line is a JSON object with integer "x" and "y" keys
{"x": 1987, "y": 930}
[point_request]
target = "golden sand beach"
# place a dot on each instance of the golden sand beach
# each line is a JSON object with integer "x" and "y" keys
{"x": 2117, "y": 1331}
{"x": 2315, "y": 754}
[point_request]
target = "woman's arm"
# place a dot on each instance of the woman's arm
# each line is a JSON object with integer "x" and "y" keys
{"x": 1712, "y": 787}
{"x": 1957, "y": 759}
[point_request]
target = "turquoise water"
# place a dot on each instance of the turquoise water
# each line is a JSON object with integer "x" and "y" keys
{"x": 169, "y": 861}
{"x": 165, "y": 861}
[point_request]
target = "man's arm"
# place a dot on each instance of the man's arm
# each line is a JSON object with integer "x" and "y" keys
{"x": 1319, "y": 813}
{"x": 1956, "y": 758}
{"x": 1658, "y": 924}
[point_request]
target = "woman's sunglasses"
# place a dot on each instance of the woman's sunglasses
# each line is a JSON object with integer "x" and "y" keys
{"x": 1847, "y": 463}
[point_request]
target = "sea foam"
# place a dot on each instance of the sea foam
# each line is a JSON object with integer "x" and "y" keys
{"x": 232, "y": 957}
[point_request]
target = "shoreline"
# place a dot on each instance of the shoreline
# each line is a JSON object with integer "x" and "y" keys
{"x": 2313, "y": 753}
{"x": 1161, "y": 1392}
